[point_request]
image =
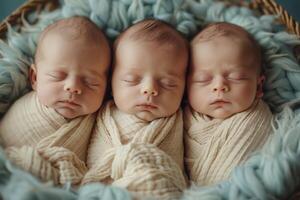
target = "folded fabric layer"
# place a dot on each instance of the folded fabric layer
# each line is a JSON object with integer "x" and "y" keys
{"x": 112, "y": 142}
{"x": 143, "y": 169}
{"x": 41, "y": 141}
{"x": 213, "y": 147}
{"x": 115, "y": 128}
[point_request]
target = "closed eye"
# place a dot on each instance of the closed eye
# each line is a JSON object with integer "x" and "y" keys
{"x": 131, "y": 79}
{"x": 202, "y": 81}
{"x": 57, "y": 76}
{"x": 167, "y": 83}
{"x": 237, "y": 77}
{"x": 202, "y": 78}
{"x": 91, "y": 83}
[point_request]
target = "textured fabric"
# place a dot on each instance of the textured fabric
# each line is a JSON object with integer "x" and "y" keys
{"x": 41, "y": 141}
{"x": 114, "y": 129}
{"x": 143, "y": 169}
{"x": 213, "y": 147}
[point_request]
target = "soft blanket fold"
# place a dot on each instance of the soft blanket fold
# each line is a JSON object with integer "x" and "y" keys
{"x": 213, "y": 147}
{"x": 41, "y": 141}
{"x": 114, "y": 129}
{"x": 143, "y": 169}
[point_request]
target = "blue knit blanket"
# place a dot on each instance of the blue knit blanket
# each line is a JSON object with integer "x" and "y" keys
{"x": 272, "y": 173}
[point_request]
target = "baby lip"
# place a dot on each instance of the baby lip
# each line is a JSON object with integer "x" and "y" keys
{"x": 72, "y": 103}
{"x": 147, "y": 105}
{"x": 218, "y": 101}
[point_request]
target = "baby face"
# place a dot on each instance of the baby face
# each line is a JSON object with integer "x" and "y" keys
{"x": 224, "y": 77}
{"x": 70, "y": 76}
{"x": 148, "y": 79}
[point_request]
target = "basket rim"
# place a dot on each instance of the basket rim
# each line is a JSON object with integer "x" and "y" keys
{"x": 264, "y": 6}
{"x": 23, "y": 9}
{"x": 271, "y": 7}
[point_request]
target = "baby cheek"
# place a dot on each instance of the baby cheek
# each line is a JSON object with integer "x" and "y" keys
{"x": 47, "y": 94}
{"x": 195, "y": 97}
{"x": 96, "y": 99}
{"x": 246, "y": 96}
{"x": 198, "y": 99}
{"x": 93, "y": 98}
{"x": 126, "y": 93}
{"x": 44, "y": 98}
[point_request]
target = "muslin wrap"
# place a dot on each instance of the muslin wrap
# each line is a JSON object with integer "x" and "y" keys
{"x": 213, "y": 147}
{"x": 144, "y": 157}
{"x": 41, "y": 141}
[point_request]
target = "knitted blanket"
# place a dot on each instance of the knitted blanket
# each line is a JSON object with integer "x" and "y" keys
{"x": 213, "y": 147}
{"x": 41, "y": 141}
{"x": 114, "y": 129}
{"x": 272, "y": 174}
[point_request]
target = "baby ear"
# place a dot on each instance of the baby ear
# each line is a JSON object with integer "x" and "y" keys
{"x": 32, "y": 76}
{"x": 260, "y": 81}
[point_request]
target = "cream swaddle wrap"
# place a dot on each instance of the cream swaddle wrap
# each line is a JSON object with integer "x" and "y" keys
{"x": 41, "y": 141}
{"x": 213, "y": 147}
{"x": 157, "y": 161}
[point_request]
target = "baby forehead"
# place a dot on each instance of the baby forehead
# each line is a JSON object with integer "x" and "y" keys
{"x": 152, "y": 47}
{"x": 57, "y": 45}
{"x": 68, "y": 39}
{"x": 70, "y": 32}
{"x": 224, "y": 44}
{"x": 74, "y": 28}
{"x": 230, "y": 34}
{"x": 223, "y": 29}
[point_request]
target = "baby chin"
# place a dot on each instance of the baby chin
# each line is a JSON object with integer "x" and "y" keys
{"x": 68, "y": 112}
{"x": 146, "y": 116}
{"x": 220, "y": 113}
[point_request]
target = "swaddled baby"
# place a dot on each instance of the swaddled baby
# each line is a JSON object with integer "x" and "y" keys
{"x": 148, "y": 80}
{"x": 226, "y": 120}
{"x": 47, "y": 131}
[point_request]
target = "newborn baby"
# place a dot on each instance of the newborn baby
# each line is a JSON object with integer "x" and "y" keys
{"x": 47, "y": 131}
{"x": 148, "y": 80}
{"x": 226, "y": 120}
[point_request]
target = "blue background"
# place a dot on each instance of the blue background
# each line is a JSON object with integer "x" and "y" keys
{"x": 8, "y": 6}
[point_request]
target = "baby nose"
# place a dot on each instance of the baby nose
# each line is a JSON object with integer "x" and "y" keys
{"x": 150, "y": 92}
{"x": 73, "y": 90}
{"x": 221, "y": 86}
{"x": 149, "y": 89}
{"x": 73, "y": 87}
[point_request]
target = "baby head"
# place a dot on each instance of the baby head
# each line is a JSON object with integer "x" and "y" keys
{"x": 225, "y": 73}
{"x": 71, "y": 67}
{"x": 149, "y": 70}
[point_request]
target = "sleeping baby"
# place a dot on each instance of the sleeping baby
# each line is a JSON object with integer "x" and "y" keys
{"x": 226, "y": 120}
{"x": 47, "y": 131}
{"x": 148, "y": 81}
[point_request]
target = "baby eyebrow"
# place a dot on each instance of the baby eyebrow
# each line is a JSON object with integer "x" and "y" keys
{"x": 133, "y": 70}
{"x": 174, "y": 74}
{"x": 200, "y": 73}
{"x": 94, "y": 74}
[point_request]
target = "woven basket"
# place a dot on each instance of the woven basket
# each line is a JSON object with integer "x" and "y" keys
{"x": 263, "y": 6}
{"x": 29, "y": 6}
